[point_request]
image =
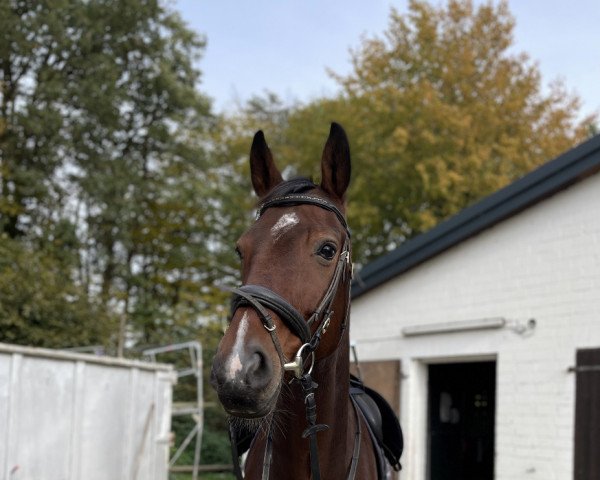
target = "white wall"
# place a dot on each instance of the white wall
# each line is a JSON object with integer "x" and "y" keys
{"x": 543, "y": 263}
{"x": 67, "y": 416}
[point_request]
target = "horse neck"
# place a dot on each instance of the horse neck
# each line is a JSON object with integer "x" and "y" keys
{"x": 332, "y": 396}
{"x": 291, "y": 453}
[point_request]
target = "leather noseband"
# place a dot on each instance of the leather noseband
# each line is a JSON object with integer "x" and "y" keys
{"x": 247, "y": 295}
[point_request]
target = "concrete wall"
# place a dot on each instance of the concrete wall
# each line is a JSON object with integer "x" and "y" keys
{"x": 544, "y": 264}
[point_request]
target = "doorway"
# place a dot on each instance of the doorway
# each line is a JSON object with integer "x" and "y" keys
{"x": 461, "y": 413}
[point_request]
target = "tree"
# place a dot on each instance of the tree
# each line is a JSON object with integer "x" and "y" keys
{"x": 132, "y": 145}
{"x": 439, "y": 113}
{"x": 104, "y": 164}
{"x": 40, "y": 300}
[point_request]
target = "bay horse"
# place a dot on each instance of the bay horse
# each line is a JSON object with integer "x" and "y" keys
{"x": 282, "y": 366}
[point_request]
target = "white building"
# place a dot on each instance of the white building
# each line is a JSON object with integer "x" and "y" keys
{"x": 494, "y": 319}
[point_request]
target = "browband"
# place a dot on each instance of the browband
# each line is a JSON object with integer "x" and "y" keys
{"x": 300, "y": 199}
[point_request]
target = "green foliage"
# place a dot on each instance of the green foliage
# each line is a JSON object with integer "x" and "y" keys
{"x": 215, "y": 440}
{"x": 37, "y": 304}
{"x": 204, "y": 476}
{"x": 215, "y": 447}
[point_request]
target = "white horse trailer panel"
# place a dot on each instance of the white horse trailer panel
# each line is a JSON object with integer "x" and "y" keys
{"x": 69, "y": 416}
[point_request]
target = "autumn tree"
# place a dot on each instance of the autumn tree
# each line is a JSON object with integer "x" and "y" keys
{"x": 440, "y": 112}
{"x": 456, "y": 114}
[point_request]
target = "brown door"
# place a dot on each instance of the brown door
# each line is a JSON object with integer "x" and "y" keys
{"x": 587, "y": 415}
{"x": 382, "y": 376}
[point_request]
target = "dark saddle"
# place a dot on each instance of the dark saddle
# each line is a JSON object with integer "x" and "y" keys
{"x": 383, "y": 424}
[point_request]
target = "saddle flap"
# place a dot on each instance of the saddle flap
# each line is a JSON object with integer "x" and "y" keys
{"x": 384, "y": 424}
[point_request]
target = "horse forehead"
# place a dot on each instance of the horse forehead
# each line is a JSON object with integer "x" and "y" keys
{"x": 286, "y": 222}
{"x": 278, "y": 226}
{"x": 308, "y": 217}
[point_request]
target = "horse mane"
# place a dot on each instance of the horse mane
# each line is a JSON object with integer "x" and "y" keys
{"x": 295, "y": 185}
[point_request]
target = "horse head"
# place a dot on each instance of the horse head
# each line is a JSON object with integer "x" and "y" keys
{"x": 295, "y": 269}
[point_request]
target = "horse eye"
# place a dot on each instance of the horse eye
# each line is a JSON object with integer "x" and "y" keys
{"x": 238, "y": 253}
{"x": 327, "y": 251}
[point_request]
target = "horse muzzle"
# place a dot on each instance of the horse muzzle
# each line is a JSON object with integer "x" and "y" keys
{"x": 247, "y": 382}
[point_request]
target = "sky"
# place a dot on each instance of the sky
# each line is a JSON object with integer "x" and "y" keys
{"x": 287, "y": 46}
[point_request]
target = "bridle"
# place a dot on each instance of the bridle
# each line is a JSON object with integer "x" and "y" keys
{"x": 262, "y": 299}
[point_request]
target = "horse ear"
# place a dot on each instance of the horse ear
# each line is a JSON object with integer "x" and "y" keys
{"x": 263, "y": 171}
{"x": 335, "y": 164}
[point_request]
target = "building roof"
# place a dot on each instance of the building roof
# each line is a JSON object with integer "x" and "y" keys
{"x": 552, "y": 177}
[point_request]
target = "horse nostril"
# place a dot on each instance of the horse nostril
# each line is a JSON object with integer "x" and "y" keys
{"x": 258, "y": 369}
{"x": 217, "y": 375}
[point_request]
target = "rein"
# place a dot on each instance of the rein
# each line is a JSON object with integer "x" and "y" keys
{"x": 262, "y": 299}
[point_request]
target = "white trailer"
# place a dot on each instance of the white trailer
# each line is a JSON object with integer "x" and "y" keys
{"x": 72, "y": 416}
